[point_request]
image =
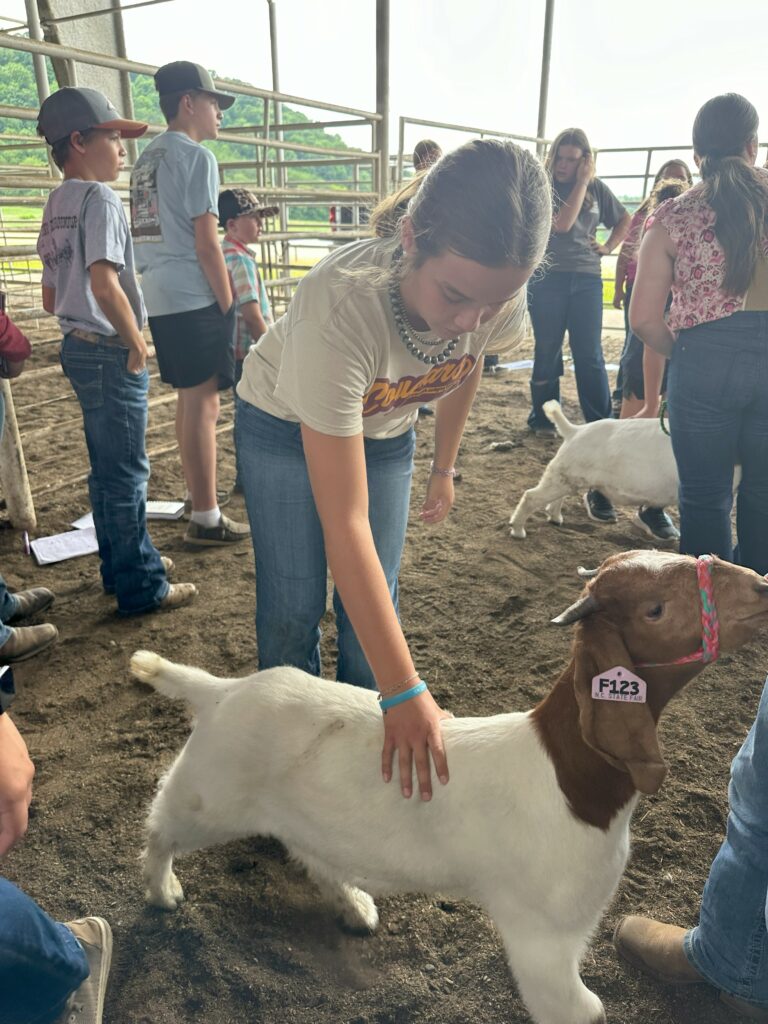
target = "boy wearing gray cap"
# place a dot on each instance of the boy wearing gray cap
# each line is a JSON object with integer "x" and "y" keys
{"x": 90, "y": 285}
{"x": 174, "y": 192}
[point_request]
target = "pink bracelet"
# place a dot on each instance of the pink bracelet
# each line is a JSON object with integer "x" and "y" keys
{"x": 433, "y": 469}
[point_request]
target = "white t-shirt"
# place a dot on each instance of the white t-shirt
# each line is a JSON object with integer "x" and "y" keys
{"x": 336, "y": 362}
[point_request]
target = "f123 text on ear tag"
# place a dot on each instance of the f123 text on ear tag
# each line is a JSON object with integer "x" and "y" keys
{"x": 619, "y": 684}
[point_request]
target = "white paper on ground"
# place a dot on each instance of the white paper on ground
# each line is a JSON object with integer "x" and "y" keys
{"x": 155, "y": 510}
{"x": 165, "y": 509}
{"x": 62, "y": 546}
{"x": 519, "y": 364}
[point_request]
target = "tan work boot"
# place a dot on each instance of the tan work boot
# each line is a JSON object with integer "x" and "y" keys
{"x": 27, "y": 641}
{"x": 30, "y": 602}
{"x": 178, "y": 594}
{"x": 167, "y": 564}
{"x": 657, "y": 949}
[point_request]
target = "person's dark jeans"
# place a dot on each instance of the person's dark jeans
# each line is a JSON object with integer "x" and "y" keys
{"x": 718, "y": 418}
{"x": 238, "y": 375}
{"x": 114, "y": 406}
{"x": 568, "y": 301}
{"x": 41, "y": 961}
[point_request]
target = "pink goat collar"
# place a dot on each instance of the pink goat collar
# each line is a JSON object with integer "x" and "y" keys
{"x": 710, "y": 624}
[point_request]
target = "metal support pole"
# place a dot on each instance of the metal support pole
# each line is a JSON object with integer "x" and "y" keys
{"x": 382, "y": 93}
{"x": 126, "y": 93}
{"x": 541, "y": 126}
{"x": 38, "y": 61}
{"x": 281, "y": 172}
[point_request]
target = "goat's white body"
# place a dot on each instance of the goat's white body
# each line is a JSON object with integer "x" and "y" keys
{"x": 284, "y": 754}
{"x": 630, "y": 461}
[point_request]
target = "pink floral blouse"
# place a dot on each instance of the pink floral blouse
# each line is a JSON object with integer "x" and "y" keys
{"x": 697, "y": 295}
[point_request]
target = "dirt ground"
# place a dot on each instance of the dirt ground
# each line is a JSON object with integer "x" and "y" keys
{"x": 253, "y": 943}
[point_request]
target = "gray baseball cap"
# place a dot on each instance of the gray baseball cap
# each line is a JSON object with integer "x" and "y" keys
{"x": 75, "y": 110}
{"x": 182, "y": 75}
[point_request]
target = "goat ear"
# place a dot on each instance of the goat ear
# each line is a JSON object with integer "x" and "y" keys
{"x": 623, "y": 733}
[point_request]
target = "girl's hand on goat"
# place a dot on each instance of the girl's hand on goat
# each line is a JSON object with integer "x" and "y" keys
{"x": 16, "y": 773}
{"x": 412, "y": 729}
{"x": 439, "y": 499}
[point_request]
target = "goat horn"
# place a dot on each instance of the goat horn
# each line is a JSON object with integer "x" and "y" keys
{"x": 579, "y": 610}
{"x": 586, "y": 574}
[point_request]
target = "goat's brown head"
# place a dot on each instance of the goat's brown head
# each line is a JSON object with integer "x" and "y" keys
{"x": 642, "y": 608}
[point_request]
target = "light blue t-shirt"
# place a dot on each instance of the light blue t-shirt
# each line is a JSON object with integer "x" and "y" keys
{"x": 174, "y": 181}
{"x": 84, "y": 222}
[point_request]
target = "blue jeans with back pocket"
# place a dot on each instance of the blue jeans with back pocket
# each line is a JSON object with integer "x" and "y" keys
{"x": 114, "y": 406}
{"x": 718, "y": 419}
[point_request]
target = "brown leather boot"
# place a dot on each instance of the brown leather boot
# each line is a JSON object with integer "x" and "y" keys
{"x": 27, "y": 641}
{"x": 31, "y": 602}
{"x": 657, "y": 949}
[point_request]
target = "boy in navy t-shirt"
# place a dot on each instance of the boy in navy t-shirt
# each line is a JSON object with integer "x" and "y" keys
{"x": 90, "y": 285}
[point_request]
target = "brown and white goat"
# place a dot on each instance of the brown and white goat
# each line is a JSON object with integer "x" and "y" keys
{"x": 534, "y": 824}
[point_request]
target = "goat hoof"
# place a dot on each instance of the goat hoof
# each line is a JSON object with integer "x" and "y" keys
{"x": 168, "y": 898}
{"x": 518, "y": 533}
{"x": 145, "y": 665}
{"x": 359, "y": 912}
{"x": 555, "y": 520}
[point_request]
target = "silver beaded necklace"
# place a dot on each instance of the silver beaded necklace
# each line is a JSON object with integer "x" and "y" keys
{"x": 404, "y": 328}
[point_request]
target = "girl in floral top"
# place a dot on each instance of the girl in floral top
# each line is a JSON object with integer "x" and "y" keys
{"x": 709, "y": 246}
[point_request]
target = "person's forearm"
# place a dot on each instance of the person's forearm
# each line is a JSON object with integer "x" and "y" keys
{"x": 211, "y": 259}
{"x": 622, "y": 262}
{"x": 114, "y": 304}
{"x": 653, "y": 375}
{"x": 565, "y": 218}
{"x": 618, "y": 234}
{"x": 451, "y": 417}
{"x": 254, "y": 321}
{"x": 655, "y": 334}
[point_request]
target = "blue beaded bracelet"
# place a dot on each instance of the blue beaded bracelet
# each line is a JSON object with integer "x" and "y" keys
{"x": 400, "y": 698}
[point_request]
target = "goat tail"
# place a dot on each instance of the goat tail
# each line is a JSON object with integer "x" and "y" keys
{"x": 554, "y": 413}
{"x": 182, "y": 682}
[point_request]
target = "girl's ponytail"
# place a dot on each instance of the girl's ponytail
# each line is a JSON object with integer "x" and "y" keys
{"x": 737, "y": 192}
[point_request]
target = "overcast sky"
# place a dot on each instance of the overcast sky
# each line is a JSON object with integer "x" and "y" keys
{"x": 629, "y": 74}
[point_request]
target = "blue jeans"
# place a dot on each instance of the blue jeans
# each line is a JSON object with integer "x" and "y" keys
{"x": 291, "y": 568}
{"x": 729, "y": 946}
{"x": 563, "y": 301}
{"x": 718, "y": 418}
{"x": 8, "y": 608}
{"x": 114, "y": 405}
{"x": 41, "y": 961}
{"x": 238, "y": 375}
